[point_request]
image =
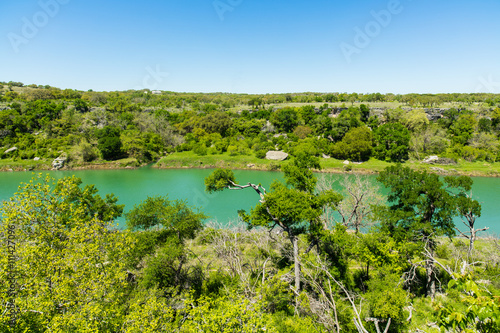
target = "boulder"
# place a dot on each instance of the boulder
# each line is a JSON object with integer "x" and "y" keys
{"x": 58, "y": 163}
{"x": 36, "y": 159}
{"x": 276, "y": 155}
{"x": 346, "y": 162}
{"x": 431, "y": 159}
{"x": 10, "y": 150}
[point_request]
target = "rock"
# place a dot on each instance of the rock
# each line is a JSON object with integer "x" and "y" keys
{"x": 438, "y": 169}
{"x": 439, "y": 160}
{"x": 10, "y": 150}
{"x": 251, "y": 165}
{"x": 431, "y": 159}
{"x": 58, "y": 163}
{"x": 325, "y": 156}
{"x": 36, "y": 159}
{"x": 276, "y": 155}
{"x": 446, "y": 161}
{"x": 346, "y": 162}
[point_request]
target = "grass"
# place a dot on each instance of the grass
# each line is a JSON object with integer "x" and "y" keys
{"x": 9, "y": 164}
{"x": 189, "y": 159}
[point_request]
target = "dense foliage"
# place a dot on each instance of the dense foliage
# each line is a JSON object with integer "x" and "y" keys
{"x": 69, "y": 270}
{"x": 142, "y": 126}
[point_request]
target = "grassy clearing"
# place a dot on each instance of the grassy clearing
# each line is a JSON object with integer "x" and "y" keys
{"x": 188, "y": 159}
{"x": 9, "y": 164}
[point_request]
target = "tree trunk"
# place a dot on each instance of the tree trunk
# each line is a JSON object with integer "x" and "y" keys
{"x": 472, "y": 239}
{"x": 295, "y": 242}
{"x": 430, "y": 285}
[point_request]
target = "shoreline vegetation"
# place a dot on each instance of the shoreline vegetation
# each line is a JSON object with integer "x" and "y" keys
{"x": 189, "y": 160}
{"x": 41, "y": 125}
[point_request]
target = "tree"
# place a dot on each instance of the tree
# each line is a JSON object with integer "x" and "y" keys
{"x": 347, "y": 120}
{"x": 360, "y": 195}
{"x": 285, "y": 119}
{"x": 69, "y": 269}
{"x": 216, "y": 122}
{"x": 431, "y": 140}
{"x": 109, "y": 143}
{"x": 469, "y": 210}
{"x": 461, "y": 130}
{"x": 392, "y": 142}
{"x": 174, "y": 217}
{"x": 421, "y": 208}
{"x": 415, "y": 120}
{"x": 356, "y": 145}
{"x": 295, "y": 210}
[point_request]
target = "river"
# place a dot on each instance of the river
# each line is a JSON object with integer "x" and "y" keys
{"x": 133, "y": 185}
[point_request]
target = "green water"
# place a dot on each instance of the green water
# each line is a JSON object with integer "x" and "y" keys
{"x": 132, "y": 186}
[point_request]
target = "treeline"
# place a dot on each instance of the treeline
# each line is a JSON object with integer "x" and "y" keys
{"x": 43, "y": 122}
{"x": 299, "y": 261}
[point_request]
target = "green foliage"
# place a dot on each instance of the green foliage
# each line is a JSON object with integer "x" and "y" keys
{"x": 387, "y": 299}
{"x": 298, "y": 173}
{"x": 226, "y": 315}
{"x": 167, "y": 269}
{"x": 479, "y": 310}
{"x": 420, "y": 202}
{"x": 285, "y": 119}
{"x": 392, "y": 142}
{"x": 219, "y": 180}
{"x": 176, "y": 217}
{"x": 337, "y": 247}
{"x": 64, "y": 256}
{"x": 110, "y": 143}
{"x": 356, "y": 145}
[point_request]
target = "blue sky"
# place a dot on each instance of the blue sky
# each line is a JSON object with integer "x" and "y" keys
{"x": 253, "y": 46}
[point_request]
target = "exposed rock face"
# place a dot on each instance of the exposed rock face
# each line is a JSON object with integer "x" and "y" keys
{"x": 58, "y": 163}
{"x": 276, "y": 155}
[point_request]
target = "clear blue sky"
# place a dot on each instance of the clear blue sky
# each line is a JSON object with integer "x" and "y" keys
{"x": 253, "y": 46}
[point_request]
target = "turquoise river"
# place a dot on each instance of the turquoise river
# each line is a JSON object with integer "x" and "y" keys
{"x": 132, "y": 186}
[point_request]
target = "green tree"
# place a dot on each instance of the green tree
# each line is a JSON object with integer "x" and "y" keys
{"x": 356, "y": 145}
{"x": 461, "y": 131}
{"x": 421, "y": 208}
{"x": 175, "y": 217}
{"x": 295, "y": 210}
{"x": 285, "y": 119}
{"x": 69, "y": 272}
{"x": 392, "y": 142}
{"x": 110, "y": 143}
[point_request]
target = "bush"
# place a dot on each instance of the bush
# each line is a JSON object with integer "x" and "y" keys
{"x": 261, "y": 154}
{"x": 200, "y": 149}
{"x": 232, "y": 150}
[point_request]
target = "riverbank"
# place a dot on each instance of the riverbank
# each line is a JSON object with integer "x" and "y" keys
{"x": 7, "y": 165}
{"x": 189, "y": 160}
{"x": 186, "y": 160}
